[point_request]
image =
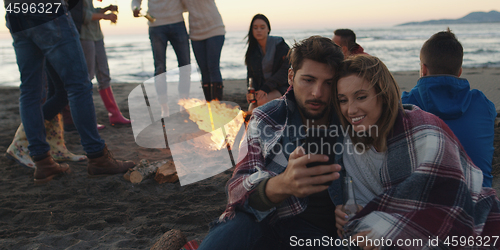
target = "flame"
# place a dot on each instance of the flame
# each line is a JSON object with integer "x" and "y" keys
{"x": 215, "y": 121}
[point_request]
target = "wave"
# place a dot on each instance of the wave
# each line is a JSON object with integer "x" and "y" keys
{"x": 483, "y": 65}
{"x": 482, "y": 51}
{"x": 142, "y": 74}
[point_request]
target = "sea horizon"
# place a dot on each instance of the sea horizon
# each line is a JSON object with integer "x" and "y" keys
{"x": 130, "y": 58}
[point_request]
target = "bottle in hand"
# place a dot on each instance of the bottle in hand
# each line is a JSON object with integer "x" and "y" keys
{"x": 251, "y": 91}
{"x": 350, "y": 205}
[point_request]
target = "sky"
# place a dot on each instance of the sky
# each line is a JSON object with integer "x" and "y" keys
{"x": 302, "y": 14}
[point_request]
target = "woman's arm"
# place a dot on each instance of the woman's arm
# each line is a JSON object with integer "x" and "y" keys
{"x": 98, "y": 16}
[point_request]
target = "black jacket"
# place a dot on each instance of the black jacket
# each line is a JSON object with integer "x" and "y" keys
{"x": 278, "y": 80}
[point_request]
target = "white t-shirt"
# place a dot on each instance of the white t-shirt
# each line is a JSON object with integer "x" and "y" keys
{"x": 364, "y": 169}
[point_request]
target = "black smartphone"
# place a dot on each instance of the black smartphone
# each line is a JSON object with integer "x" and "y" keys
{"x": 320, "y": 141}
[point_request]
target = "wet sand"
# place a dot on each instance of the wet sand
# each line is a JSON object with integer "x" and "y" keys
{"x": 77, "y": 212}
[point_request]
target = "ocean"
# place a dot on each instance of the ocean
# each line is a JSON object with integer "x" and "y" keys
{"x": 131, "y": 61}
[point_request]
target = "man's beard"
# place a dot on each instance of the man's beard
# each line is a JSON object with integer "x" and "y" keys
{"x": 311, "y": 116}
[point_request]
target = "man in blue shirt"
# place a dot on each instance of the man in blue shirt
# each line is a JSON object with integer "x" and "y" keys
{"x": 469, "y": 114}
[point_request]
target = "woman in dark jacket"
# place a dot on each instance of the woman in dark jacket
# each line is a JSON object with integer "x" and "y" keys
{"x": 267, "y": 62}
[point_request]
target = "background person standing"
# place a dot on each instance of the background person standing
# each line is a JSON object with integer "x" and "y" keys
{"x": 207, "y": 31}
{"x": 168, "y": 26}
{"x": 92, "y": 41}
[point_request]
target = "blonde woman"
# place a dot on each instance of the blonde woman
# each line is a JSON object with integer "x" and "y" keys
{"x": 410, "y": 172}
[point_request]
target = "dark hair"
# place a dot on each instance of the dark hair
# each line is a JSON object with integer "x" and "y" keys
{"x": 377, "y": 74}
{"x": 442, "y": 54}
{"x": 252, "y": 42}
{"x": 347, "y": 37}
{"x": 316, "y": 48}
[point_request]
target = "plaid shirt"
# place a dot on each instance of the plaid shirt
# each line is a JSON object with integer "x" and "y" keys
{"x": 431, "y": 188}
{"x": 272, "y": 134}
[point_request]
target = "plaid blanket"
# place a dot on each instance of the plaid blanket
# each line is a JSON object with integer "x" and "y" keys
{"x": 432, "y": 190}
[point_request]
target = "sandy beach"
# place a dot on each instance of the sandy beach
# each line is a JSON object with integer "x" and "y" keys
{"x": 77, "y": 212}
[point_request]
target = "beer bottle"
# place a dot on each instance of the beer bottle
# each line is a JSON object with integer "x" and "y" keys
{"x": 251, "y": 91}
{"x": 350, "y": 205}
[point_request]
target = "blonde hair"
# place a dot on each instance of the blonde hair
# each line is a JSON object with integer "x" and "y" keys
{"x": 376, "y": 73}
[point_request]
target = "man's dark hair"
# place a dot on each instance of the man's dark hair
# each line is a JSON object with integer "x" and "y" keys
{"x": 347, "y": 38}
{"x": 316, "y": 48}
{"x": 442, "y": 54}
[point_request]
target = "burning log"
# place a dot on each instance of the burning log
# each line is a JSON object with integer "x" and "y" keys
{"x": 167, "y": 173}
{"x": 171, "y": 240}
{"x": 211, "y": 127}
{"x": 142, "y": 170}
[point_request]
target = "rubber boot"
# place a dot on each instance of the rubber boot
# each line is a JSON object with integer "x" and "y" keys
{"x": 207, "y": 91}
{"x": 115, "y": 116}
{"x": 47, "y": 168}
{"x": 18, "y": 149}
{"x": 55, "y": 138}
{"x": 105, "y": 164}
{"x": 68, "y": 121}
{"x": 217, "y": 90}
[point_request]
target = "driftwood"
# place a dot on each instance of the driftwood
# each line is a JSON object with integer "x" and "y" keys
{"x": 171, "y": 240}
{"x": 167, "y": 173}
{"x": 142, "y": 170}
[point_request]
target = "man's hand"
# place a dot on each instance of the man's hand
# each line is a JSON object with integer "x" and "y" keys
{"x": 137, "y": 11}
{"x": 299, "y": 180}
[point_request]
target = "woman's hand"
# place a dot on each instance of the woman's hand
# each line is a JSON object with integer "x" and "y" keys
{"x": 260, "y": 96}
{"x": 341, "y": 218}
{"x": 248, "y": 97}
{"x": 137, "y": 12}
{"x": 109, "y": 8}
{"x": 112, "y": 17}
{"x": 112, "y": 8}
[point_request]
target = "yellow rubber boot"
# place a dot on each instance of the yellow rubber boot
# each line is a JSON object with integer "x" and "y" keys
{"x": 18, "y": 149}
{"x": 55, "y": 138}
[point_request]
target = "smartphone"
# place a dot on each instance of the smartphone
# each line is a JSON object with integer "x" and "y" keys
{"x": 320, "y": 141}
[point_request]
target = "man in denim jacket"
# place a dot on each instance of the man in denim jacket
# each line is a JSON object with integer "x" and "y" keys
{"x": 274, "y": 200}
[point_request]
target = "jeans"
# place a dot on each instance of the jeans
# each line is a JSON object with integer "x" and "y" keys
{"x": 243, "y": 232}
{"x": 57, "y": 98}
{"x": 39, "y": 37}
{"x": 207, "y": 53}
{"x": 159, "y": 36}
{"x": 97, "y": 62}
